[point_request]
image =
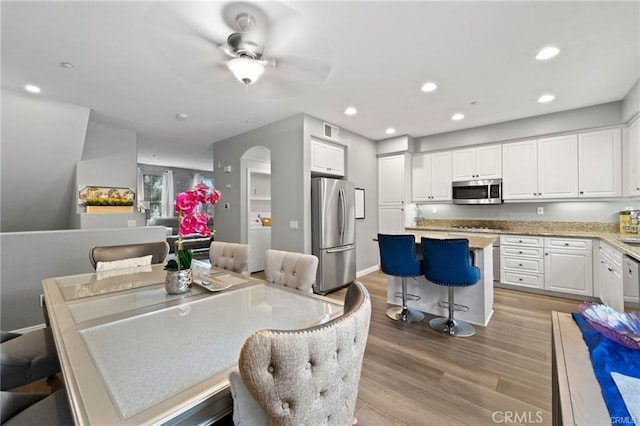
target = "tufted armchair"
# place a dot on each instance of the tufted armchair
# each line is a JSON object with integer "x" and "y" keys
{"x": 295, "y": 270}
{"x": 231, "y": 256}
{"x": 307, "y": 376}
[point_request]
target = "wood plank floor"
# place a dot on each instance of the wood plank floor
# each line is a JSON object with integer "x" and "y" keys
{"x": 412, "y": 375}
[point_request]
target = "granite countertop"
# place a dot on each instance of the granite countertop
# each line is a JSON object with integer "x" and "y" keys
{"x": 606, "y": 232}
{"x": 475, "y": 242}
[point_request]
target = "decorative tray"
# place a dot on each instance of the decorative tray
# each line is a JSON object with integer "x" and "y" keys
{"x": 621, "y": 327}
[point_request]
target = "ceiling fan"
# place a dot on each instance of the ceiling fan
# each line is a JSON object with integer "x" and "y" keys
{"x": 207, "y": 42}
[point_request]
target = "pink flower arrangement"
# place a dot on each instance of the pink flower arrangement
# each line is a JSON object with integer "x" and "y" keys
{"x": 191, "y": 222}
{"x": 186, "y": 202}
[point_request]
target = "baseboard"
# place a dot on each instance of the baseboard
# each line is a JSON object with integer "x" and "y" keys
{"x": 367, "y": 271}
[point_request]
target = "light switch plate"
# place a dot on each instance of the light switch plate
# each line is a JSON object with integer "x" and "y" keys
{"x": 540, "y": 210}
{"x": 293, "y": 224}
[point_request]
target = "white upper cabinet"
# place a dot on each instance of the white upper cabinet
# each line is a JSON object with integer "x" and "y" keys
{"x": 431, "y": 177}
{"x": 327, "y": 158}
{"x": 631, "y": 158}
{"x": 600, "y": 165}
{"x": 394, "y": 179}
{"x": 558, "y": 167}
{"x": 537, "y": 169}
{"x": 483, "y": 162}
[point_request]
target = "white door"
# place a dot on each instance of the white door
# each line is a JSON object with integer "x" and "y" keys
{"x": 568, "y": 271}
{"x": 520, "y": 170}
{"x": 463, "y": 164}
{"x": 335, "y": 160}
{"x": 631, "y": 158}
{"x": 421, "y": 177}
{"x": 600, "y": 163}
{"x": 558, "y": 167}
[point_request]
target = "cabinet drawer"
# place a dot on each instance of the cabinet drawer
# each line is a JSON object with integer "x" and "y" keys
{"x": 520, "y": 251}
{"x": 520, "y": 240}
{"x": 611, "y": 254}
{"x": 568, "y": 243}
{"x": 523, "y": 264}
{"x": 522, "y": 279}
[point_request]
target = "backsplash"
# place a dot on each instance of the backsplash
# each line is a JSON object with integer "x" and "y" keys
{"x": 515, "y": 225}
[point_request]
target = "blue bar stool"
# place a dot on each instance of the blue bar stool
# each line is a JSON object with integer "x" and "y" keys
{"x": 398, "y": 258}
{"x": 448, "y": 263}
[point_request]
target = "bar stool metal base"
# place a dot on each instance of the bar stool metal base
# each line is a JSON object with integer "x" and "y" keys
{"x": 405, "y": 314}
{"x": 452, "y": 327}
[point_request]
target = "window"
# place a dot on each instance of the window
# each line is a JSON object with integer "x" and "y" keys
{"x": 207, "y": 208}
{"x": 153, "y": 194}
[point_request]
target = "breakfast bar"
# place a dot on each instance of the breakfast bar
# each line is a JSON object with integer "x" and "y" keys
{"x": 478, "y": 297}
{"x": 133, "y": 354}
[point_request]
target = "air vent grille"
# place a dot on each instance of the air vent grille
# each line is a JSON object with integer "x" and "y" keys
{"x": 331, "y": 132}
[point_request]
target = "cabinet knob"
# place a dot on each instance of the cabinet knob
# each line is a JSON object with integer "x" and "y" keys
{"x": 546, "y": 254}
{"x": 566, "y": 244}
{"x": 519, "y": 241}
{"x": 519, "y": 264}
{"x": 582, "y": 192}
{"x": 610, "y": 270}
{"x": 519, "y": 251}
{"x": 519, "y": 279}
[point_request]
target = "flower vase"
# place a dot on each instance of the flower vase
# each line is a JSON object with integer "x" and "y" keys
{"x": 178, "y": 282}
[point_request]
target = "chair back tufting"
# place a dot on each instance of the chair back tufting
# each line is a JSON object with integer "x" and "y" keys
{"x": 294, "y": 270}
{"x": 448, "y": 262}
{"x": 310, "y": 376}
{"x": 398, "y": 255}
{"x": 231, "y": 256}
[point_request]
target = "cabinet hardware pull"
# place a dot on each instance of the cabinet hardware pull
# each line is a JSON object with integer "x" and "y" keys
{"x": 610, "y": 270}
{"x": 519, "y": 264}
{"x": 519, "y": 279}
{"x": 566, "y": 244}
{"x": 520, "y": 252}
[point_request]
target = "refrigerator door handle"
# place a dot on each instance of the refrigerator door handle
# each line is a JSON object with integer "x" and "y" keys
{"x": 342, "y": 213}
{"x": 339, "y": 249}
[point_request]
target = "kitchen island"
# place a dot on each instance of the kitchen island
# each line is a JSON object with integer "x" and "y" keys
{"x": 478, "y": 297}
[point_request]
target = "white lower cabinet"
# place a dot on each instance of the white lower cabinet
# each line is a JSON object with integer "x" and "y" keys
{"x": 610, "y": 285}
{"x": 391, "y": 219}
{"x": 554, "y": 264}
{"x": 521, "y": 261}
{"x": 568, "y": 266}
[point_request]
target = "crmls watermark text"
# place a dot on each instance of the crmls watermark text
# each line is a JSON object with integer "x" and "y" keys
{"x": 526, "y": 417}
{"x": 624, "y": 421}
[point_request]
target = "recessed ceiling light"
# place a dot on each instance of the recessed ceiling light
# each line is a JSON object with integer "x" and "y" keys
{"x": 546, "y": 98}
{"x": 390, "y": 131}
{"x": 547, "y": 53}
{"x": 457, "y": 116}
{"x": 429, "y": 86}
{"x": 31, "y": 88}
{"x": 181, "y": 116}
{"x": 67, "y": 65}
{"x": 351, "y": 111}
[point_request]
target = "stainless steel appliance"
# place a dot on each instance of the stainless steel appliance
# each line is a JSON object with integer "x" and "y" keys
{"x": 631, "y": 276}
{"x": 482, "y": 191}
{"x": 333, "y": 232}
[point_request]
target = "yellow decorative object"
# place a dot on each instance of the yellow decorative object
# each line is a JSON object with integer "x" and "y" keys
{"x": 630, "y": 222}
{"x": 109, "y": 209}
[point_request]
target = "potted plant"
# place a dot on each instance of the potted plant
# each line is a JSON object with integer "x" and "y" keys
{"x": 190, "y": 222}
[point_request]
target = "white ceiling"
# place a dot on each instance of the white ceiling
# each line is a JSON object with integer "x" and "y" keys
{"x": 138, "y": 64}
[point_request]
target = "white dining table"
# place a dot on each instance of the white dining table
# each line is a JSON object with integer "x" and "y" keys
{"x": 132, "y": 354}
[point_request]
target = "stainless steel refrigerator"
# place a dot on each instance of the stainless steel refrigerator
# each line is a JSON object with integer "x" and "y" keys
{"x": 333, "y": 235}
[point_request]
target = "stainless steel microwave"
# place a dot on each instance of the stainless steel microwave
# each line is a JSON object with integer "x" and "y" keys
{"x": 482, "y": 191}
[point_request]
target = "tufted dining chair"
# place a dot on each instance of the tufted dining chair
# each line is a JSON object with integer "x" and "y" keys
{"x": 231, "y": 256}
{"x": 158, "y": 250}
{"x": 35, "y": 408}
{"x": 308, "y": 376}
{"x": 27, "y": 357}
{"x": 294, "y": 270}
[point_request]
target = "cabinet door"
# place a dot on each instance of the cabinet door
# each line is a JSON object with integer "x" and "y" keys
{"x": 600, "y": 163}
{"x": 391, "y": 180}
{"x": 421, "y": 177}
{"x": 441, "y": 176}
{"x": 520, "y": 170}
{"x": 335, "y": 160}
{"x": 489, "y": 162}
{"x": 611, "y": 286}
{"x": 391, "y": 220}
{"x": 631, "y": 158}
{"x": 558, "y": 167}
{"x": 568, "y": 271}
{"x": 319, "y": 160}
{"x": 463, "y": 164}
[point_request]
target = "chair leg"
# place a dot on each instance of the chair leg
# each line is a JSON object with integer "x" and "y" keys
{"x": 404, "y": 313}
{"x": 451, "y": 326}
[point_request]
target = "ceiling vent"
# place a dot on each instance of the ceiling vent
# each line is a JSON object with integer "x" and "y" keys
{"x": 331, "y": 132}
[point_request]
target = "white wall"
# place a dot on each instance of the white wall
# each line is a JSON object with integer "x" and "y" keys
{"x": 41, "y": 142}
{"x": 631, "y": 103}
{"x": 566, "y": 121}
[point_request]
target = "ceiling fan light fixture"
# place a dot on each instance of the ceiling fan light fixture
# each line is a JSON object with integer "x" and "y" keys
{"x": 245, "y": 69}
